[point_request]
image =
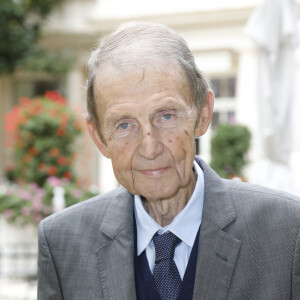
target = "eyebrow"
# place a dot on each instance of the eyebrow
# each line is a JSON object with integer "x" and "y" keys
{"x": 113, "y": 117}
{"x": 117, "y": 115}
{"x": 166, "y": 106}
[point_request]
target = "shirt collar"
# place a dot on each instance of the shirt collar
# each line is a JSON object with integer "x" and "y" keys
{"x": 185, "y": 225}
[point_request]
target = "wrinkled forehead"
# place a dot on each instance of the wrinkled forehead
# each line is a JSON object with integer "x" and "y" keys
{"x": 117, "y": 68}
{"x": 130, "y": 60}
{"x": 113, "y": 83}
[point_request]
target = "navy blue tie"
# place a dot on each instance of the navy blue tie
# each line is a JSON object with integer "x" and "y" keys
{"x": 165, "y": 274}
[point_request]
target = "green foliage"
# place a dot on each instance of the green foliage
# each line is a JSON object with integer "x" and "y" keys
{"x": 20, "y": 23}
{"x": 56, "y": 63}
{"x": 41, "y": 134}
{"x": 228, "y": 148}
{"x": 44, "y": 130}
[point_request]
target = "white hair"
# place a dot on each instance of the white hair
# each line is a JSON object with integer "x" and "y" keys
{"x": 141, "y": 44}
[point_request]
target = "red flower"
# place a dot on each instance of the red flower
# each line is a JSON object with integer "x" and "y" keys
{"x": 53, "y": 113}
{"x": 22, "y": 119}
{"x": 52, "y": 170}
{"x": 67, "y": 175}
{"x": 56, "y": 97}
{"x": 11, "y": 119}
{"x": 64, "y": 118}
{"x": 24, "y": 101}
{"x": 60, "y": 131}
{"x": 33, "y": 151}
{"x": 62, "y": 160}
{"x": 36, "y": 108}
{"x": 54, "y": 152}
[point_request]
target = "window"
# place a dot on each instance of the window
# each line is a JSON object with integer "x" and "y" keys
{"x": 223, "y": 87}
{"x": 225, "y": 90}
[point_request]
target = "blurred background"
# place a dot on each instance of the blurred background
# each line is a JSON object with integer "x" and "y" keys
{"x": 248, "y": 49}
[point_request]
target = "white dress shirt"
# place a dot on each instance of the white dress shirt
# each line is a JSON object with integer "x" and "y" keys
{"x": 185, "y": 226}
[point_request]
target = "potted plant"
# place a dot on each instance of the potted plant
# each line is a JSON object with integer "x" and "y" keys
{"x": 40, "y": 134}
{"x": 229, "y": 146}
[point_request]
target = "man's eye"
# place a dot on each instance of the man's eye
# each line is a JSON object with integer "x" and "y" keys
{"x": 166, "y": 116}
{"x": 123, "y": 126}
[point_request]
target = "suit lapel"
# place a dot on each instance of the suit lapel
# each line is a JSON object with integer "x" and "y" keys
{"x": 115, "y": 251}
{"x": 217, "y": 250}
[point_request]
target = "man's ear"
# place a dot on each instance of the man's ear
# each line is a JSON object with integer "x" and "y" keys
{"x": 101, "y": 145}
{"x": 206, "y": 114}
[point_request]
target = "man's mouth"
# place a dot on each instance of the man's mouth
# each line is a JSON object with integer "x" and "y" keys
{"x": 154, "y": 172}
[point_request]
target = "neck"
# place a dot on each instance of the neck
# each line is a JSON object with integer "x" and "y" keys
{"x": 163, "y": 211}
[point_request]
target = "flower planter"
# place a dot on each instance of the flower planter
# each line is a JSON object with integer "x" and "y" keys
{"x": 18, "y": 250}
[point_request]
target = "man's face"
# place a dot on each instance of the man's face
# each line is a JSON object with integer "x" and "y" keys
{"x": 148, "y": 126}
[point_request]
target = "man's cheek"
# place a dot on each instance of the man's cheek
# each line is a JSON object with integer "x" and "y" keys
{"x": 126, "y": 147}
{"x": 171, "y": 138}
{"x": 121, "y": 148}
{"x": 123, "y": 174}
{"x": 184, "y": 140}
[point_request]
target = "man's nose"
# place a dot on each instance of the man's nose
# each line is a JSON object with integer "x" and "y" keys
{"x": 150, "y": 144}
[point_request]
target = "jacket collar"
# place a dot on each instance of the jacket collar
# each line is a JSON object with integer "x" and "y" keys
{"x": 217, "y": 250}
{"x": 218, "y": 207}
{"x": 115, "y": 248}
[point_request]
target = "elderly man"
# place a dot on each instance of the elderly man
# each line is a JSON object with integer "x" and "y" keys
{"x": 175, "y": 230}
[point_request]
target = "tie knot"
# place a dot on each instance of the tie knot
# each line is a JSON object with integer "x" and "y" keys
{"x": 165, "y": 245}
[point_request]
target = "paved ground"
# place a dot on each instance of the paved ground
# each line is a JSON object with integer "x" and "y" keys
{"x": 17, "y": 289}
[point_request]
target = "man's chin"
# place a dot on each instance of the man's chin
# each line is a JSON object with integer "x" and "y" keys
{"x": 157, "y": 186}
{"x": 157, "y": 194}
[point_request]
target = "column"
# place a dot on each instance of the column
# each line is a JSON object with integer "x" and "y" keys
{"x": 247, "y": 106}
{"x": 107, "y": 179}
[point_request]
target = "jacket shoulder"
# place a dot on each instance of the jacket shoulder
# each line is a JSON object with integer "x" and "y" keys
{"x": 95, "y": 206}
{"x": 264, "y": 203}
{"x": 260, "y": 191}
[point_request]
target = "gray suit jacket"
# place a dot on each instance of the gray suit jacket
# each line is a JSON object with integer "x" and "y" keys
{"x": 249, "y": 246}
